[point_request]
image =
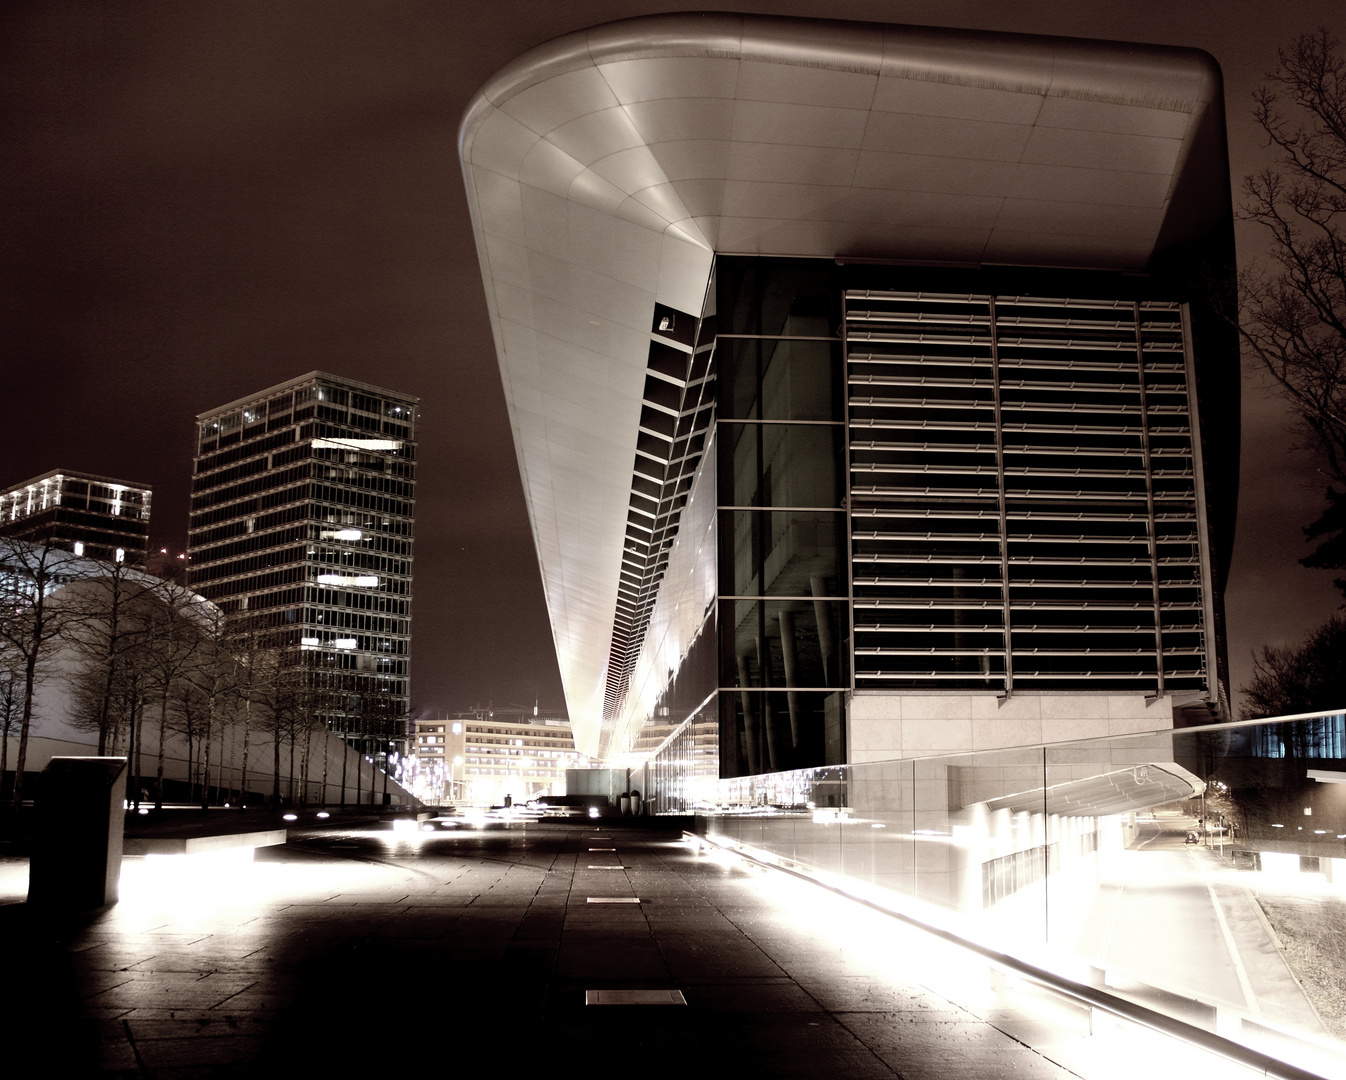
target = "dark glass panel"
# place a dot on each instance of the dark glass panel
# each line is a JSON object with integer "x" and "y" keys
{"x": 783, "y": 553}
{"x": 771, "y": 379}
{"x": 776, "y": 731}
{"x": 781, "y": 464}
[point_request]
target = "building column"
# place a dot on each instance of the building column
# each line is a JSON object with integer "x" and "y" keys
{"x": 750, "y": 725}
{"x": 790, "y": 652}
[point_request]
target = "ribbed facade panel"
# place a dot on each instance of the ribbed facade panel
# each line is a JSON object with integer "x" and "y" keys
{"x": 1023, "y": 494}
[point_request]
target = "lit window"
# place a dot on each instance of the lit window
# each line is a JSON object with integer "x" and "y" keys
{"x": 121, "y": 555}
{"x": 79, "y": 547}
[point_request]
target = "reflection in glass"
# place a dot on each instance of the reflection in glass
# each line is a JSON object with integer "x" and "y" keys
{"x": 1155, "y": 862}
{"x": 781, "y": 465}
{"x": 775, "y": 379}
{"x": 784, "y": 553}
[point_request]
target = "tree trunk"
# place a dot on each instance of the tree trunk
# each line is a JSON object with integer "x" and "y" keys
{"x": 275, "y": 763}
{"x": 243, "y": 765}
{"x": 345, "y": 758}
{"x": 159, "y": 771}
{"x": 138, "y": 722}
{"x": 21, "y": 760}
{"x": 205, "y": 758}
{"x": 326, "y": 746}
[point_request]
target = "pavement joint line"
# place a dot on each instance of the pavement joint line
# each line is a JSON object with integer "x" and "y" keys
{"x": 135, "y": 1050}
{"x": 612, "y": 899}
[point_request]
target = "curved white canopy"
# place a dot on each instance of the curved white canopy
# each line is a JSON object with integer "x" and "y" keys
{"x": 604, "y": 170}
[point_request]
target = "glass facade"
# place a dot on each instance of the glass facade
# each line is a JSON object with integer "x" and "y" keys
{"x": 928, "y": 483}
{"x": 1200, "y": 872}
{"x": 303, "y": 502}
{"x": 784, "y": 604}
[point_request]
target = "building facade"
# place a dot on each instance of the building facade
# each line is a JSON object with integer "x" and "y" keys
{"x": 90, "y": 516}
{"x": 302, "y": 514}
{"x": 869, "y": 384}
{"x": 483, "y": 754}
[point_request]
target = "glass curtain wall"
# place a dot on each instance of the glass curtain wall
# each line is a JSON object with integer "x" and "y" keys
{"x": 1199, "y": 872}
{"x": 783, "y": 605}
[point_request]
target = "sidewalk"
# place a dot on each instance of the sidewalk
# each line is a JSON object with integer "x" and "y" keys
{"x": 355, "y": 949}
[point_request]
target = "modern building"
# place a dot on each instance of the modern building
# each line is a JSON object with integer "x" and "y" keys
{"x": 868, "y": 383}
{"x": 91, "y": 516}
{"x": 303, "y": 502}
{"x": 483, "y": 754}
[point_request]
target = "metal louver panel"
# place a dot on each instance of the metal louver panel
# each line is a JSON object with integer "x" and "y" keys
{"x": 996, "y": 540}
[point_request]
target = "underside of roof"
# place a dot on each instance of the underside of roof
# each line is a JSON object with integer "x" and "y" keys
{"x": 605, "y": 169}
{"x": 1139, "y": 787}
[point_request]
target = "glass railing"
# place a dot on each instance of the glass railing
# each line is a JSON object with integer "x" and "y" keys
{"x": 1198, "y": 872}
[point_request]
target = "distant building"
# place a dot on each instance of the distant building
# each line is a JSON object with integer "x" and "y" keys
{"x": 483, "y": 754}
{"x": 92, "y": 516}
{"x": 303, "y": 502}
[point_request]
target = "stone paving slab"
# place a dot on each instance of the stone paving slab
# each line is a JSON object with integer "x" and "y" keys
{"x": 351, "y": 952}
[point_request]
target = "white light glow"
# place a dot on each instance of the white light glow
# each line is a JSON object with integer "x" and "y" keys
{"x": 323, "y": 814}
{"x": 290, "y": 817}
{"x": 362, "y": 581}
{"x": 357, "y": 444}
{"x": 345, "y": 643}
{"x": 310, "y": 641}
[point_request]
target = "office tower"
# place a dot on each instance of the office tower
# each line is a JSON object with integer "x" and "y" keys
{"x": 868, "y": 383}
{"x": 93, "y": 516}
{"x": 303, "y": 502}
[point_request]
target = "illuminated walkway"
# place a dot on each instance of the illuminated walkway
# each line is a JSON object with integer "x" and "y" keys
{"x": 349, "y": 950}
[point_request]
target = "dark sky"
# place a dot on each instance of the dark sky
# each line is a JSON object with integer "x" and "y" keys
{"x": 203, "y": 198}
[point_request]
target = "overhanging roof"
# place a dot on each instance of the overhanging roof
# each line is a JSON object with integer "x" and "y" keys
{"x": 604, "y": 170}
{"x": 1139, "y": 787}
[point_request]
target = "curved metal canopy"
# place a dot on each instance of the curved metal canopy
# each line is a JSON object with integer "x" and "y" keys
{"x": 604, "y": 170}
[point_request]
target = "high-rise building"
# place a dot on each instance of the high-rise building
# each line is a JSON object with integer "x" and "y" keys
{"x": 869, "y": 384}
{"x": 92, "y": 516}
{"x": 303, "y": 502}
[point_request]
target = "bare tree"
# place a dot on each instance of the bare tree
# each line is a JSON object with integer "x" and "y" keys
{"x": 1293, "y": 311}
{"x": 109, "y": 629}
{"x": 11, "y": 701}
{"x": 1300, "y": 679}
{"x": 256, "y": 673}
{"x": 211, "y": 679}
{"x": 30, "y": 623}
{"x": 177, "y": 621}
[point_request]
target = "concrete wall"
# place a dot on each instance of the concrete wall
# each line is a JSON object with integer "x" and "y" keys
{"x": 883, "y": 727}
{"x": 361, "y": 777}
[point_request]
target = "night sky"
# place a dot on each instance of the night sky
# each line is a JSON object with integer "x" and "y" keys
{"x": 201, "y": 199}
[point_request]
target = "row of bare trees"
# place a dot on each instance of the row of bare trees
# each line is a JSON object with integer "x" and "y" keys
{"x": 150, "y": 669}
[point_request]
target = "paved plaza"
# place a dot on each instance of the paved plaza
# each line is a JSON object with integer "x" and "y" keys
{"x": 356, "y": 950}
